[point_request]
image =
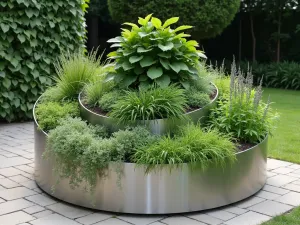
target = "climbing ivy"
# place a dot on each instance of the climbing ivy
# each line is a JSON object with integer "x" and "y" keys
{"x": 33, "y": 33}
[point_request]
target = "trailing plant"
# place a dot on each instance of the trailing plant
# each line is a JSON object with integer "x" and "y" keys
{"x": 82, "y": 153}
{"x": 48, "y": 114}
{"x": 243, "y": 113}
{"x": 33, "y": 33}
{"x": 153, "y": 53}
{"x": 75, "y": 70}
{"x": 155, "y": 103}
{"x": 209, "y": 17}
{"x": 278, "y": 75}
{"x": 192, "y": 145}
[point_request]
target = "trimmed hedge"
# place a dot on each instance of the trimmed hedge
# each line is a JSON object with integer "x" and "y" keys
{"x": 209, "y": 17}
{"x": 277, "y": 75}
{"x": 33, "y": 34}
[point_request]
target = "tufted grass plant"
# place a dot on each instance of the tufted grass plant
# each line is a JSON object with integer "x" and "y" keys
{"x": 155, "y": 103}
{"x": 191, "y": 145}
{"x": 75, "y": 70}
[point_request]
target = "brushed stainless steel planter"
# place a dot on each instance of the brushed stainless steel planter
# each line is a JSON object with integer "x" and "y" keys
{"x": 167, "y": 191}
{"x": 159, "y": 126}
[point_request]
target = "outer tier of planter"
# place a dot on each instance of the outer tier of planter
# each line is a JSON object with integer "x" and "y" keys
{"x": 167, "y": 191}
{"x": 158, "y": 126}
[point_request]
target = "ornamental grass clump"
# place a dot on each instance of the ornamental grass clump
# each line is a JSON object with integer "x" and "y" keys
{"x": 155, "y": 103}
{"x": 243, "y": 114}
{"x": 191, "y": 145}
{"x": 154, "y": 53}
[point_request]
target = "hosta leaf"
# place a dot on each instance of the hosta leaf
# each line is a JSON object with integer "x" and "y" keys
{"x": 30, "y": 65}
{"x": 35, "y": 73}
{"x": 177, "y": 66}
{"x": 154, "y": 72}
{"x": 165, "y": 63}
{"x": 165, "y": 55}
{"x": 21, "y": 37}
{"x": 156, "y": 22}
{"x": 116, "y": 40}
{"x": 24, "y": 87}
{"x": 201, "y": 54}
{"x": 28, "y": 50}
{"x": 16, "y": 102}
{"x": 116, "y": 45}
{"x": 168, "y": 46}
{"x": 5, "y": 105}
{"x": 163, "y": 81}
{"x": 128, "y": 80}
{"x": 147, "y": 61}
{"x": 184, "y": 27}
{"x": 143, "y": 77}
{"x": 142, "y": 49}
{"x": 2, "y": 74}
{"x": 185, "y": 84}
{"x": 170, "y": 21}
{"x": 6, "y": 83}
{"x": 127, "y": 66}
{"x": 134, "y": 59}
{"x": 144, "y": 85}
{"x": 14, "y": 62}
{"x": 138, "y": 70}
{"x": 29, "y": 12}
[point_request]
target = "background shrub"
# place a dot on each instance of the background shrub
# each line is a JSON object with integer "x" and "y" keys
{"x": 33, "y": 33}
{"x": 278, "y": 75}
{"x": 209, "y": 17}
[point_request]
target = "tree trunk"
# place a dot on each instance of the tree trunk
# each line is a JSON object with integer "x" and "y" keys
{"x": 93, "y": 32}
{"x": 253, "y": 38}
{"x": 240, "y": 40}
{"x": 278, "y": 36}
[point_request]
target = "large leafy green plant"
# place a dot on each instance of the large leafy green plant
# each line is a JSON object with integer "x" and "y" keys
{"x": 33, "y": 33}
{"x": 155, "y": 53}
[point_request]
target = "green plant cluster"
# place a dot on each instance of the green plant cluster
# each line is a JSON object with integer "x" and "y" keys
{"x": 155, "y": 54}
{"x": 192, "y": 145}
{"x": 243, "y": 114}
{"x": 32, "y": 34}
{"x": 156, "y": 103}
{"x": 49, "y": 114}
{"x": 209, "y": 17}
{"x": 82, "y": 152}
{"x": 277, "y": 75}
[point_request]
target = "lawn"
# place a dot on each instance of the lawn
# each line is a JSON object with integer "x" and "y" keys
{"x": 285, "y": 144}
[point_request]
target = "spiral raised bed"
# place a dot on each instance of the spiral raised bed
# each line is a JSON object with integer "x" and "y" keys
{"x": 158, "y": 126}
{"x": 165, "y": 191}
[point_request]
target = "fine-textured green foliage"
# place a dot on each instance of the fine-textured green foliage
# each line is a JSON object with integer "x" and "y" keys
{"x": 75, "y": 70}
{"x": 291, "y": 218}
{"x": 192, "y": 145}
{"x": 155, "y": 103}
{"x": 196, "y": 99}
{"x": 278, "y": 75}
{"x": 243, "y": 114}
{"x": 107, "y": 101}
{"x": 154, "y": 53}
{"x": 82, "y": 153}
{"x": 209, "y": 17}
{"x": 49, "y": 114}
{"x": 33, "y": 33}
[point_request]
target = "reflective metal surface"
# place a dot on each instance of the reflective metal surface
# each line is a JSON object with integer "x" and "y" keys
{"x": 167, "y": 191}
{"x": 159, "y": 126}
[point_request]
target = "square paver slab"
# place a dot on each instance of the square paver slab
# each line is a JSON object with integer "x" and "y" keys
{"x": 180, "y": 220}
{"x": 42, "y": 200}
{"x": 271, "y": 208}
{"x": 113, "y": 221}
{"x": 15, "y": 161}
{"x": 267, "y": 195}
{"x": 235, "y": 210}
{"x": 93, "y": 218}
{"x": 275, "y": 190}
{"x": 15, "y": 193}
{"x": 283, "y": 170}
{"x": 249, "y": 218}
{"x": 291, "y": 198}
{"x": 8, "y": 172}
{"x": 15, "y": 205}
{"x": 54, "y": 219}
{"x": 69, "y": 211}
{"x": 292, "y": 187}
{"x": 274, "y": 163}
{"x": 280, "y": 180}
{"x": 205, "y": 218}
{"x": 140, "y": 220}
{"x": 249, "y": 202}
{"x": 15, "y": 218}
{"x": 7, "y": 183}
{"x": 221, "y": 214}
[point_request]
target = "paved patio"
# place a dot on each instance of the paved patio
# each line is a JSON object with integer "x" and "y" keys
{"x": 22, "y": 202}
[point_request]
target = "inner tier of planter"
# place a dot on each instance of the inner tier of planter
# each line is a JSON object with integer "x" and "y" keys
{"x": 158, "y": 126}
{"x": 166, "y": 191}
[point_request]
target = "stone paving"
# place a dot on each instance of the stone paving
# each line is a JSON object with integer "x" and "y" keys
{"x": 23, "y": 203}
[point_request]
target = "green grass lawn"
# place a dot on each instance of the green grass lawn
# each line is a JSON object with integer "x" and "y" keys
{"x": 285, "y": 144}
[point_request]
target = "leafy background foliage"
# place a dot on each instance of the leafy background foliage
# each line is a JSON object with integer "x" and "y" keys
{"x": 210, "y": 17}
{"x": 33, "y": 33}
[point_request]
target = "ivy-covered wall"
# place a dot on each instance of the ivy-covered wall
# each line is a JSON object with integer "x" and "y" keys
{"x": 33, "y": 34}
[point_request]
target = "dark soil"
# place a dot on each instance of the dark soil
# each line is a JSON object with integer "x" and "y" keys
{"x": 244, "y": 146}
